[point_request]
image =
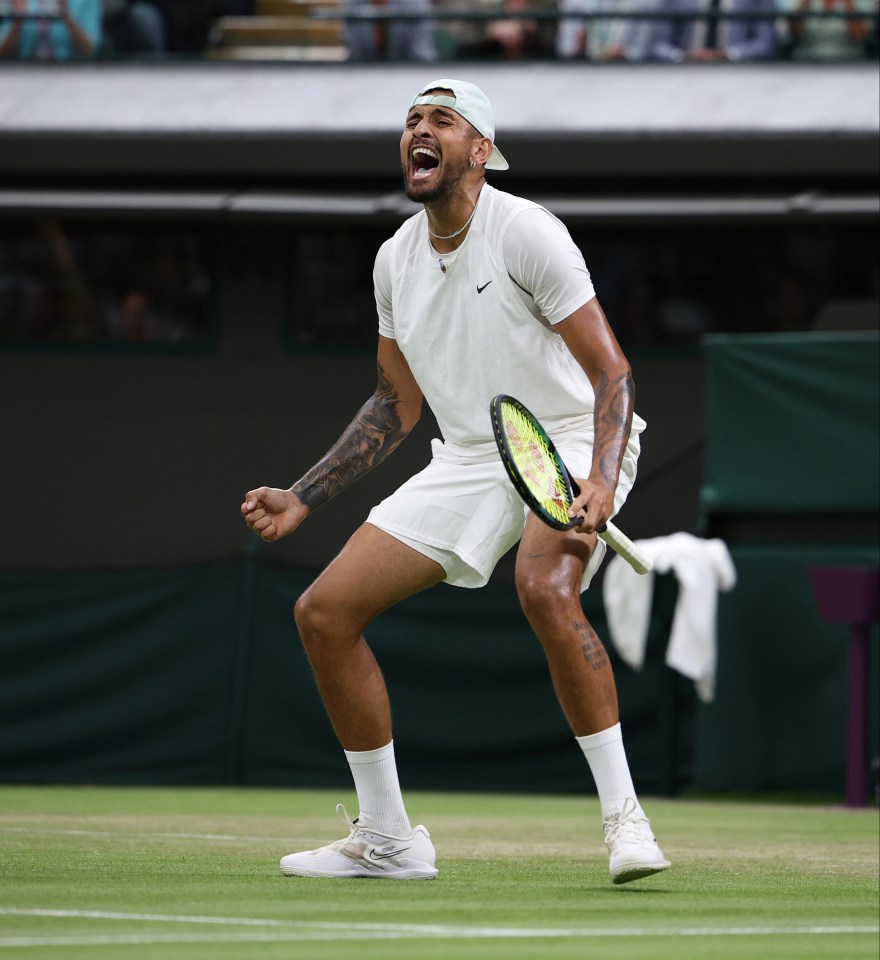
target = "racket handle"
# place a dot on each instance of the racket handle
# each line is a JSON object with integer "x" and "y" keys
{"x": 620, "y": 543}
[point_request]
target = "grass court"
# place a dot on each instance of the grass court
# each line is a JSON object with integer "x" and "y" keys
{"x": 192, "y": 874}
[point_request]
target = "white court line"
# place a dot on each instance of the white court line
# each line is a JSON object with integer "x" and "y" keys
{"x": 339, "y": 935}
{"x": 322, "y": 930}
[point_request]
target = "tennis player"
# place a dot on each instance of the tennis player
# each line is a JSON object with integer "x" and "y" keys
{"x": 479, "y": 293}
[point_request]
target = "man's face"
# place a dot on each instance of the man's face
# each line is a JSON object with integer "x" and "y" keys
{"x": 434, "y": 151}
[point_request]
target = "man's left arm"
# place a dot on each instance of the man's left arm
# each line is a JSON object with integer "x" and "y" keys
{"x": 589, "y": 337}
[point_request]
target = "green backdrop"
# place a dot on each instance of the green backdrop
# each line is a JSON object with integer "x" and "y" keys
{"x": 792, "y": 423}
{"x": 196, "y": 676}
{"x": 791, "y": 479}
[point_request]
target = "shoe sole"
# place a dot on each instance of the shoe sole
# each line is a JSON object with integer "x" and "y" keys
{"x": 637, "y": 872}
{"x": 426, "y": 873}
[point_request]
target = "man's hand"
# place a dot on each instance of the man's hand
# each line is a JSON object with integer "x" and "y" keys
{"x": 595, "y": 503}
{"x": 273, "y": 513}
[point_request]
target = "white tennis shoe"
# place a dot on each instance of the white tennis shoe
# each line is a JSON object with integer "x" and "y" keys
{"x": 634, "y": 851}
{"x": 366, "y": 853}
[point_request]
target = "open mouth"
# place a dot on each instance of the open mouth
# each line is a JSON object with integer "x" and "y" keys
{"x": 424, "y": 161}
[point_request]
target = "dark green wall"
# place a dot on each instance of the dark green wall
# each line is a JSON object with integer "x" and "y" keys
{"x": 195, "y": 675}
{"x": 790, "y": 482}
{"x": 779, "y": 718}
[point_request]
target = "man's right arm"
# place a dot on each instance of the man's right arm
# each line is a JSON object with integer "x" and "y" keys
{"x": 379, "y": 427}
{"x": 377, "y": 430}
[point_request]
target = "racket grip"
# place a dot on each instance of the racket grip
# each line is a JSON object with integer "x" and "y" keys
{"x": 621, "y": 544}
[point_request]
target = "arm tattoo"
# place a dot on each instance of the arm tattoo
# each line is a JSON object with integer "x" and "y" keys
{"x": 373, "y": 434}
{"x": 612, "y": 420}
{"x": 591, "y": 646}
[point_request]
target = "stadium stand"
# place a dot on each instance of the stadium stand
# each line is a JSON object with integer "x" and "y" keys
{"x": 280, "y": 30}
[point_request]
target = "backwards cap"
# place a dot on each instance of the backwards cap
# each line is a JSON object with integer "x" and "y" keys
{"x": 468, "y": 101}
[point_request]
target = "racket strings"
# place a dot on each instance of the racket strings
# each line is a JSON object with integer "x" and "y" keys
{"x": 537, "y": 466}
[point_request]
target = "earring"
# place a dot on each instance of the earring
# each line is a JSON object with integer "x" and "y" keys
{"x": 472, "y": 163}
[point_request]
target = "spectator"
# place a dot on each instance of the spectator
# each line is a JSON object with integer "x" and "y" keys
{"x": 453, "y": 34}
{"x": 830, "y": 38}
{"x": 134, "y": 26}
{"x": 390, "y": 39}
{"x": 72, "y": 32}
{"x": 612, "y": 39}
{"x": 511, "y": 38}
{"x": 709, "y": 39}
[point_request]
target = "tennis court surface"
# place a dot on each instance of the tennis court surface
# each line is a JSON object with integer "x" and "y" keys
{"x": 193, "y": 873}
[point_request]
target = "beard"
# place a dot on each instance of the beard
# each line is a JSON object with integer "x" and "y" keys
{"x": 444, "y": 187}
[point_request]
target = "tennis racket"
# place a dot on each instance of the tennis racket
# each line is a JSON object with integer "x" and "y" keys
{"x": 542, "y": 479}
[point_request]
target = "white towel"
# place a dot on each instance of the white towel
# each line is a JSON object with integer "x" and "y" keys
{"x": 702, "y": 567}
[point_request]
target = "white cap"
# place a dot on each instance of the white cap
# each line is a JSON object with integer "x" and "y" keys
{"x": 468, "y": 101}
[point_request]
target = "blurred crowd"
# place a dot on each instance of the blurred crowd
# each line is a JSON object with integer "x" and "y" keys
{"x": 78, "y": 283}
{"x": 81, "y": 29}
{"x": 817, "y": 30}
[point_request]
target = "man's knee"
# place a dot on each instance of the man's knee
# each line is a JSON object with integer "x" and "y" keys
{"x": 313, "y": 615}
{"x": 325, "y": 620}
{"x": 543, "y": 598}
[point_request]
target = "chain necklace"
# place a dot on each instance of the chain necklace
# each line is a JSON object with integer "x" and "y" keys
{"x": 452, "y": 236}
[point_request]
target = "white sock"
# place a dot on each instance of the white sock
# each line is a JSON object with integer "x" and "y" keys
{"x": 378, "y": 791}
{"x": 607, "y": 759}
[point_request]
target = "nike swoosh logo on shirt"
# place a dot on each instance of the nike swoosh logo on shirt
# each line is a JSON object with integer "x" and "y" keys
{"x": 481, "y": 289}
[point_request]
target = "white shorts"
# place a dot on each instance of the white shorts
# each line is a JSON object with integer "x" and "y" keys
{"x": 463, "y": 511}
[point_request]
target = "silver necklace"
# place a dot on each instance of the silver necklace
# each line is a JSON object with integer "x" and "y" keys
{"x": 451, "y": 236}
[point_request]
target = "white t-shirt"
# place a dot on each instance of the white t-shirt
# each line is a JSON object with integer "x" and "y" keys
{"x": 484, "y": 325}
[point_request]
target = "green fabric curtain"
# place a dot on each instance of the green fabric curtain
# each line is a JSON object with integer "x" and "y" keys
{"x": 196, "y": 675}
{"x": 792, "y": 423}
